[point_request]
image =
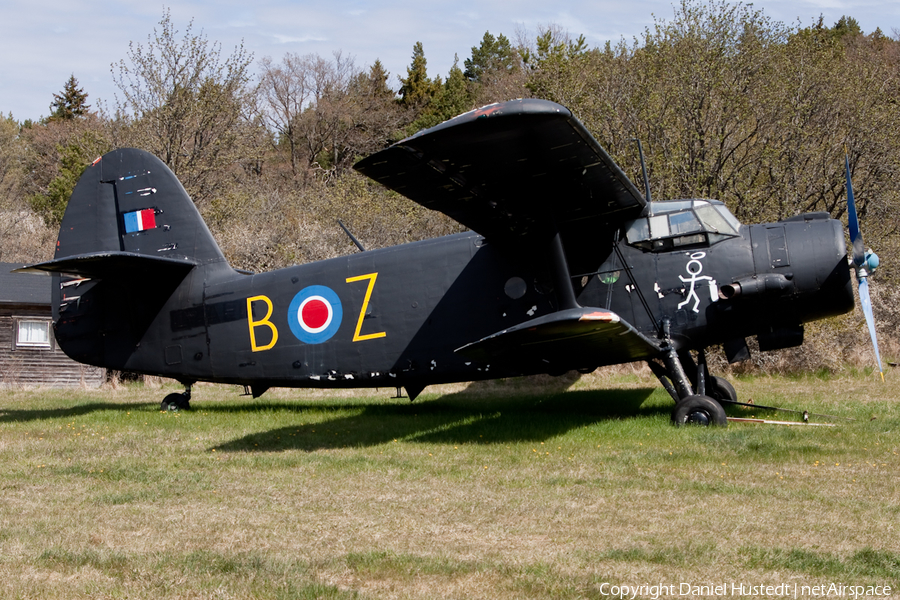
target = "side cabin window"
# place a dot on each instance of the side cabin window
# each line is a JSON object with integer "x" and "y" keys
{"x": 32, "y": 333}
{"x": 682, "y": 223}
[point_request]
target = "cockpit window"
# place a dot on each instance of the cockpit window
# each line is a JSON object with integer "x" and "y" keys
{"x": 682, "y": 223}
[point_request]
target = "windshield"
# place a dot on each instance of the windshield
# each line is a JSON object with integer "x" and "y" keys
{"x": 682, "y": 223}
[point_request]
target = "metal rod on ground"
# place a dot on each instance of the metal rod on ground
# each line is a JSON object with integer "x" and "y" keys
{"x": 760, "y": 406}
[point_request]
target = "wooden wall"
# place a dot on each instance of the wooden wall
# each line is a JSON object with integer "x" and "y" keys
{"x": 39, "y": 367}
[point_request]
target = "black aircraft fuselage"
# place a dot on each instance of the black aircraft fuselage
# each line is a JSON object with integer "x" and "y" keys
{"x": 398, "y": 314}
{"x": 567, "y": 267}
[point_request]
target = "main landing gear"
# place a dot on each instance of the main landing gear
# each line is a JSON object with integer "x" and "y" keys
{"x": 176, "y": 401}
{"x": 697, "y": 395}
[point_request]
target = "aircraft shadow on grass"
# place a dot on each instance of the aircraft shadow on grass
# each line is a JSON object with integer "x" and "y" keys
{"x": 8, "y": 415}
{"x": 462, "y": 418}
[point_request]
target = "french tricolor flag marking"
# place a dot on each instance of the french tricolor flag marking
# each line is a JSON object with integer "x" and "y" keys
{"x": 140, "y": 220}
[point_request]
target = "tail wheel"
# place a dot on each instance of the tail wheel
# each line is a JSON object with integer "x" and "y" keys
{"x": 176, "y": 401}
{"x": 699, "y": 410}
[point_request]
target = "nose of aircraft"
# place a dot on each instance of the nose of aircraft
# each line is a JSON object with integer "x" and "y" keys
{"x": 817, "y": 255}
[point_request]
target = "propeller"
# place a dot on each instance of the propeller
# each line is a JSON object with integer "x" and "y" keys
{"x": 863, "y": 263}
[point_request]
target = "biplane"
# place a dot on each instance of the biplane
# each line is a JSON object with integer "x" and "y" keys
{"x": 566, "y": 266}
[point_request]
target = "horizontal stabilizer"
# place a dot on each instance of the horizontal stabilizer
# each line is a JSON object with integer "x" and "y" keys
{"x": 104, "y": 302}
{"x": 99, "y": 265}
{"x": 595, "y": 335}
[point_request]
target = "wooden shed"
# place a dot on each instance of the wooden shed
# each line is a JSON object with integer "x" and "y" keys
{"x": 29, "y": 355}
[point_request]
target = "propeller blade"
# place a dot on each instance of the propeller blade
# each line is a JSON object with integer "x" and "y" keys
{"x": 859, "y": 251}
{"x": 866, "y": 303}
{"x": 861, "y": 264}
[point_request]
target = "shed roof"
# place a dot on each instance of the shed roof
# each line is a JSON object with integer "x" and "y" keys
{"x": 23, "y": 288}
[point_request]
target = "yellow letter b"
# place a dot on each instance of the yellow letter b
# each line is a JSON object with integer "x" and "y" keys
{"x": 264, "y": 321}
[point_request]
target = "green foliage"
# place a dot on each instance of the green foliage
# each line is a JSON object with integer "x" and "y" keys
{"x": 869, "y": 563}
{"x": 559, "y": 68}
{"x": 494, "y": 54}
{"x": 376, "y": 81}
{"x": 12, "y": 158}
{"x": 450, "y": 99}
{"x": 454, "y": 98}
{"x": 74, "y": 158}
{"x": 732, "y": 105}
{"x": 11, "y": 151}
{"x": 417, "y": 88}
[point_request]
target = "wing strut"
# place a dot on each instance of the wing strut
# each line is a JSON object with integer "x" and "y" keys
{"x": 565, "y": 291}
{"x": 627, "y": 268}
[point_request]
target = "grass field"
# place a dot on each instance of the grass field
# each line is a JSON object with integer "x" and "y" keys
{"x": 501, "y": 490}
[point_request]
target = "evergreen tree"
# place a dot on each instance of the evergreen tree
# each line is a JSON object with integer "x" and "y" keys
{"x": 417, "y": 89}
{"x": 454, "y": 98}
{"x": 846, "y": 26}
{"x": 494, "y": 54}
{"x": 71, "y": 103}
{"x": 377, "y": 81}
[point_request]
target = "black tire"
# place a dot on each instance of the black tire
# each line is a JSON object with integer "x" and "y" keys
{"x": 720, "y": 389}
{"x": 175, "y": 401}
{"x": 699, "y": 410}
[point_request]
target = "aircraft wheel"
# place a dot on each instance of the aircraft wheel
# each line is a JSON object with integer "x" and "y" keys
{"x": 721, "y": 389}
{"x": 175, "y": 401}
{"x": 699, "y": 410}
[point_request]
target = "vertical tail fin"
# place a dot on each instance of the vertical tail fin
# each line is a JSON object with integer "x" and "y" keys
{"x": 129, "y": 201}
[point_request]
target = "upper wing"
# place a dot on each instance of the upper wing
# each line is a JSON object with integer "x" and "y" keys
{"x": 511, "y": 172}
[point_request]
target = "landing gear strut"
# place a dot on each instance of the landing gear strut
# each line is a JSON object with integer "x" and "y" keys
{"x": 176, "y": 401}
{"x": 697, "y": 395}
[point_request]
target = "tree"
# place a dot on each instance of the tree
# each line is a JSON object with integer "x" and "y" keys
{"x": 74, "y": 158}
{"x": 11, "y": 159}
{"x": 552, "y": 42}
{"x": 380, "y": 118}
{"x": 327, "y": 125}
{"x": 57, "y": 154}
{"x": 449, "y": 100}
{"x": 846, "y": 26}
{"x": 326, "y": 112}
{"x": 24, "y": 236}
{"x": 495, "y": 71}
{"x": 71, "y": 103}
{"x": 455, "y": 97}
{"x": 285, "y": 91}
{"x": 494, "y": 55}
{"x": 558, "y": 67}
{"x": 376, "y": 81}
{"x": 186, "y": 104}
{"x": 417, "y": 88}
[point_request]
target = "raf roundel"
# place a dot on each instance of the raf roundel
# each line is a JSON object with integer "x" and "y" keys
{"x": 315, "y": 314}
